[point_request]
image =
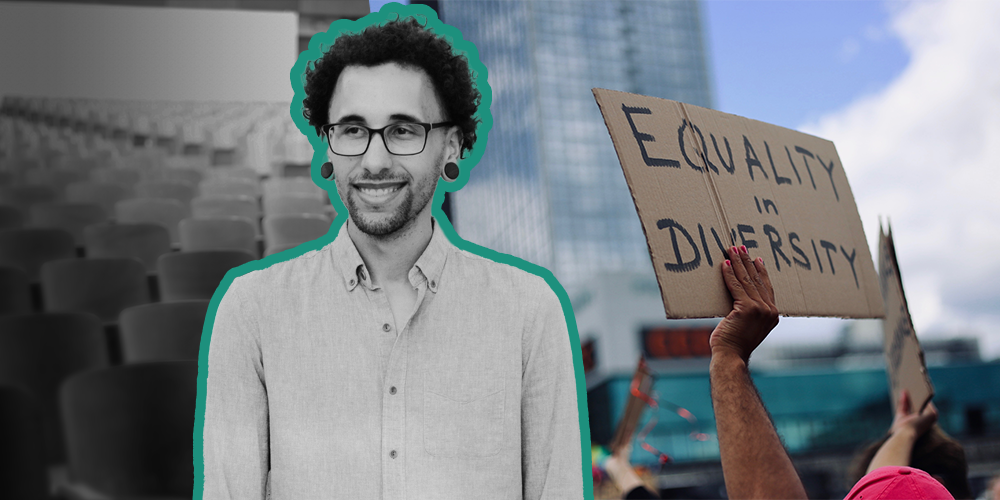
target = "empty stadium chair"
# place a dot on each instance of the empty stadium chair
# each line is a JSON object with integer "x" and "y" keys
{"x": 200, "y": 162}
{"x": 151, "y": 455}
{"x": 163, "y": 331}
{"x": 15, "y": 291}
{"x": 11, "y": 217}
{"x": 126, "y": 177}
{"x": 28, "y": 248}
{"x": 55, "y": 177}
{"x": 8, "y": 177}
{"x": 79, "y": 163}
{"x": 102, "y": 287}
{"x": 187, "y": 175}
{"x": 38, "y": 352}
{"x": 69, "y": 216}
{"x": 219, "y": 233}
{"x": 235, "y": 173}
{"x": 23, "y": 164}
{"x": 24, "y": 196}
{"x": 145, "y": 160}
{"x": 291, "y": 230}
{"x": 229, "y": 187}
{"x": 196, "y": 275}
{"x": 293, "y": 204}
{"x": 279, "y": 248}
{"x": 143, "y": 241}
{"x": 282, "y": 186}
{"x": 227, "y": 206}
{"x": 167, "y": 213}
{"x": 174, "y": 190}
{"x": 105, "y": 194}
{"x": 23, "y": 472}
{"x": 292, "y": 170}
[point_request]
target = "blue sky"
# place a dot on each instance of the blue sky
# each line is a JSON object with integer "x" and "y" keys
{"x": 906, "y": 90}
{"x": 789, "y": 63}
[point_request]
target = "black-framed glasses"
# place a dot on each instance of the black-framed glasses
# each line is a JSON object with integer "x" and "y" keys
{"x": 400, "y": 139}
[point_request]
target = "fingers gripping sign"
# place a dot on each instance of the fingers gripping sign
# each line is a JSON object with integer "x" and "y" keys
{"x": 919, "y": 421}
{"x": 754, "y": 313}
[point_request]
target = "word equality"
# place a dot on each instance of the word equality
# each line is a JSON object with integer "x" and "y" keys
{"x": 726, "y": 161}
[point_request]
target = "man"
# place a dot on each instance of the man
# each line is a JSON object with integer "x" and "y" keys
{"x": 754, "y": 462}
{"x": 389, "y": 363}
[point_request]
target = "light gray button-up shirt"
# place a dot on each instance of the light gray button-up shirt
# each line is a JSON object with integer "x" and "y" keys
{"x": 311, "y": 381}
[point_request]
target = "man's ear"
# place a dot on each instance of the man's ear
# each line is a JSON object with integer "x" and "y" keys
{"x": 453, "y": 144}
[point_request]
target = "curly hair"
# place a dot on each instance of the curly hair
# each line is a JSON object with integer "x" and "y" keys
{"x": 409, "y": 44}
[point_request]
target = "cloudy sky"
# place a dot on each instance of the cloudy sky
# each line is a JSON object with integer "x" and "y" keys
{"x": 910, "y": 94}
{"x": 909, "y": 91}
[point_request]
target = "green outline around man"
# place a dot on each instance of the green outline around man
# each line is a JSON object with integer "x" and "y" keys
{"x": 384, "y": 361}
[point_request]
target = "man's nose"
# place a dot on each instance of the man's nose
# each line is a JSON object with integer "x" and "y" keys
{"x": 377, "y": 158}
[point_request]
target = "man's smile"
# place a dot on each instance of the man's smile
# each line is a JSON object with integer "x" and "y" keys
{"x": 378, "y": 192}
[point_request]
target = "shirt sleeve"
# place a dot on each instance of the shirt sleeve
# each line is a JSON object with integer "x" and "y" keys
{"x": 236, "y": 449}
{"x": 550, "y": 424}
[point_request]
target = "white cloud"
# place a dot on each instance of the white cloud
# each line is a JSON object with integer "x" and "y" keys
{"x": 925, "y": 151}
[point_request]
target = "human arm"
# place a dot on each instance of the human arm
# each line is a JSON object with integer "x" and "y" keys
{"x": 754, "y": 462}
{"x": 236, "y": 447}
{"x": 551, "y": 464}
{"x": 907, "y": 426}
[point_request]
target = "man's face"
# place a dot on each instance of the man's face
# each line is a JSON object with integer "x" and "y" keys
{"x": 385, "y": 193}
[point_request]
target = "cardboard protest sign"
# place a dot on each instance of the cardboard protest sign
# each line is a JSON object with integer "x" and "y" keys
{"x": 904, "y": 359}
{"x": 704, "y": 181}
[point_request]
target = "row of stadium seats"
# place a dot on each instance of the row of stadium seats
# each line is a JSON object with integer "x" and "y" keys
{"x": 127, "y": 432}
{"x": 92, "y": 234}
{"x": 118, "y": 220}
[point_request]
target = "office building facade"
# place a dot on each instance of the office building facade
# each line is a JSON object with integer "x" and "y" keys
{"x": 549, "y": 188}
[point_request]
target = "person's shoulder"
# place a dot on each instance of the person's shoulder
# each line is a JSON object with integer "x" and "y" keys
{"x": 282, "y": 271}
{"x": 500, "y": 276}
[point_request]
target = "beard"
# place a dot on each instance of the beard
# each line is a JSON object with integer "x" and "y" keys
{"x": 383, "y": 225}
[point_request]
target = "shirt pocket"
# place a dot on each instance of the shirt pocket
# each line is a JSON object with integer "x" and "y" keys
{"x": 464, "y": 419}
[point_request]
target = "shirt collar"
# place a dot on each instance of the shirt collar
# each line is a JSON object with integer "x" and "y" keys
{"x": 346, "y": 257}
{"x": 429, "y": 265}
{"x": 431, "y": 262}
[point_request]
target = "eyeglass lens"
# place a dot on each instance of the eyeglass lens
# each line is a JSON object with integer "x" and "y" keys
{"x": 399, "y": 139}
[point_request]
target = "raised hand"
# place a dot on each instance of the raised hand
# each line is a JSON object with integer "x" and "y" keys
{"x": 754, "y": 314}
{"x": 908, "y": 420}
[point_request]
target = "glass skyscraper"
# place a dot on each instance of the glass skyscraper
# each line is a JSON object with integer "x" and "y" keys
{"x": 549, "y": 188}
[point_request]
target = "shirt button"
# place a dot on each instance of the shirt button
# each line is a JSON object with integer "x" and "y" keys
{"x": 363, "y": 274}
{"x": 392, "y": 454}
{"x": 392, "y": 390}
{"x": 386, "y": 327}
{"x": 351, "y": 282}
{"x": 433, "y": 284}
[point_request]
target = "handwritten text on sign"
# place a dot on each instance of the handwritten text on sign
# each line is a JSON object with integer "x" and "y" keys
{"x": 703, "y": 181}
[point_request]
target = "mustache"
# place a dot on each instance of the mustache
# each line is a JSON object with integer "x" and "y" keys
{"x": 383, "y": 176}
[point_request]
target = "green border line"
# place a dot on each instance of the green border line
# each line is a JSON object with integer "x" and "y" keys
{"x": 319, "y": 42}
